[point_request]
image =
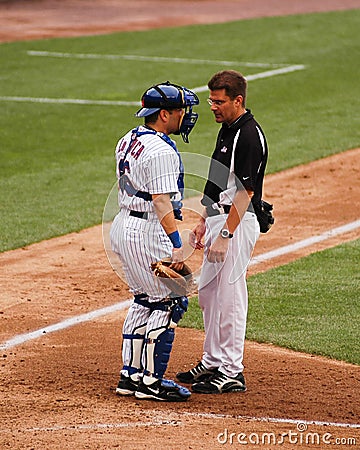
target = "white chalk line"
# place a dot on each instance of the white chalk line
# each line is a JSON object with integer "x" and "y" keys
{"x": 98, "y": 426}
{"x": 22, "y": 338}
{"x": 273, "y": 420}
{"x": 261, "y": 75}
{"x": 149, "y": 59}
{"x": 305, "y": 243}
{"x": 76, "y": 101}
{"x": 70, "y": 101}
{"x": 124, "y": 304}
{"x": 76, "y": 320}
{"x": 175, "y": 419}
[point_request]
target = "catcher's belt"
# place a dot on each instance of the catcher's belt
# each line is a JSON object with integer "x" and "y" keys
{"x": 139, "y": 214}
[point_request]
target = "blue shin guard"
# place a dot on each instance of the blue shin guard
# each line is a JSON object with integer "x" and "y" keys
{"x": 179, "y": 308}
{"x": 158, "y": 349}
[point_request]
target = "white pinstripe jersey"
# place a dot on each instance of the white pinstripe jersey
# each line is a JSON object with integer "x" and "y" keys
{"x": 151, "y": 166}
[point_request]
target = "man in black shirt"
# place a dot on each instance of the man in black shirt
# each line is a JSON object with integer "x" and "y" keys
{"x": 231, "y": 230}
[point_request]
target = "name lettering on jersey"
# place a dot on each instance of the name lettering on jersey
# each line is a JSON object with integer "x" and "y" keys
{"x": 136, "y": 149}
{"x": 121, "y": 146}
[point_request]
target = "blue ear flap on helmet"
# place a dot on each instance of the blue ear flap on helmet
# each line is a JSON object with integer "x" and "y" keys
{"x": 170, "y": 96}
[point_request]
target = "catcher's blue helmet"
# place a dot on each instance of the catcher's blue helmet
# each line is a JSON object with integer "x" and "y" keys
{"x": 170, "y": 96}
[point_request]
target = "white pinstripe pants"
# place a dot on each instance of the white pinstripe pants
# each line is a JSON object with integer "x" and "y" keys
{"x": 138, "y": 243}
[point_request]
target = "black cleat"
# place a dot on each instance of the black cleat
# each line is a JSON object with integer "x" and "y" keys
{"x": 196, "y": 374}
{"x": 220, "y": 383}
{"x": 126, "y": 386}
{"x": 163, "y": 390}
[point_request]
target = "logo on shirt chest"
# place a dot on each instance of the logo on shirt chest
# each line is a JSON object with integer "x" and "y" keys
{"x": 224, "y": 149}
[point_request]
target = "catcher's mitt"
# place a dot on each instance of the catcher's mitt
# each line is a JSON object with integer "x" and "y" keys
{"x": 180, "y": 282}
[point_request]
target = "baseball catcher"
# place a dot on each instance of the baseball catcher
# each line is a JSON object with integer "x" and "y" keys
{"x": 151, "y": 182}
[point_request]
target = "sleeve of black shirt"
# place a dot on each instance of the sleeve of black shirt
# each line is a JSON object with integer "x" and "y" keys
{"x": 248, "y": 158}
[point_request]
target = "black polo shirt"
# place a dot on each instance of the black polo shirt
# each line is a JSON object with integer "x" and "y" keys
{"x": 251, "y": 153}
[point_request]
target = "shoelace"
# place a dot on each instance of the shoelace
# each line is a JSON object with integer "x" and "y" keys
{"x": 217, "y": 378}
{"x": 198, "y": 369}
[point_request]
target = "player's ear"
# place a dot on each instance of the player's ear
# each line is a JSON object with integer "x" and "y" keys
{"x": 239, "y": 99}
{"x": 164, "y": 115}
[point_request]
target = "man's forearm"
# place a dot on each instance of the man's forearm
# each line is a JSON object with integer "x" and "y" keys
{"x": 164, "y": 211}
{"x": 239, "y": 206}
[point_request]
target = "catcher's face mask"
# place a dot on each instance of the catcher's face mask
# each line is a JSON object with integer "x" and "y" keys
{"x": 171, "y": 96}
{"x": 189, "y": 119}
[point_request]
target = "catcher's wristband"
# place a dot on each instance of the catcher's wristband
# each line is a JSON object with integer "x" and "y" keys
{"x": 175, "y": 239}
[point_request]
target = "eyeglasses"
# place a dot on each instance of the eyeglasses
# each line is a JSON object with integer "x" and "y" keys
{"x": 216, "y": 102}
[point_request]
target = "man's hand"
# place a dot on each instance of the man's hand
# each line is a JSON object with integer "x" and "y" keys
{"x": 197, "y": 234}
{"x": 218, "y": 250}
{"x": 177, "y": 259}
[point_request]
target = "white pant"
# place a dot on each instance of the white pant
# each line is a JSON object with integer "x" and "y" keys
{"x": 223, "y": 295}
{"x": 138, "y": 243}
{"x": 136, "y": 353}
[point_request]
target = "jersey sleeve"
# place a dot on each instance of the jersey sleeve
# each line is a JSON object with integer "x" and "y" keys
{"x": 162, "y": 172}
{"x": 249, "y": 157}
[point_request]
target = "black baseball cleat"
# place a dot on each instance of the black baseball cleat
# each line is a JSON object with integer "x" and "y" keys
{"x": 163, "y": 390}
{"x": 219, "y": 383}
{"x": 196, "y": 374}
{"x": 126, "y": 386}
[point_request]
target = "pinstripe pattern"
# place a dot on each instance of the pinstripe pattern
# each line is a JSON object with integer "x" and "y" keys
{"x": 135, "y": 323}
{"x": 155, "y": 170}
{"x": 138, "y": 321}
{"x": 151, "y": 166}
{"x": 138, "y": 243}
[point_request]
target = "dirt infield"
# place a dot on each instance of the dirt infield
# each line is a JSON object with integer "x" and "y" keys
{"x": 58, "y": 390}
{"x": 37, "y": 19}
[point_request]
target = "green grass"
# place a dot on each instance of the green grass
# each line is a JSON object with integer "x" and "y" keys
{"x": 56, "y": 161}
{"x": 311, "y": 305}
{"x": 57, "y": 165}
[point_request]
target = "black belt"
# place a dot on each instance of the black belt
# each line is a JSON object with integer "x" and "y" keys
{"x": 218, "y": 209}
{"x": 139, "y": 214}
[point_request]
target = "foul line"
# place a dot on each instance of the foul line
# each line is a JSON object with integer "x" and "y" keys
{"x": 75, "y": 101}
{"x": 76, "y": 320}
{"x": 260, "y": 75}
{"x": 100, "y": 426}
{"x": 22, "y": 338}
{"x": 149, "y": 59}
{"x": 175, "y": 419}
{"x": 72, "y": 101}
{"x": 273, "y": 420}
{"x": 305, "y": 243}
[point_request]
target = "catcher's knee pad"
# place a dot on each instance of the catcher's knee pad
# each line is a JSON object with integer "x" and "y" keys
{"x": 178, "y": 309}
{"x": 158, "y": 348}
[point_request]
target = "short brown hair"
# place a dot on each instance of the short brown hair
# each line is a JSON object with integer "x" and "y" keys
{"x": 232, "y": 81}
{"x": 152, "y": 118}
